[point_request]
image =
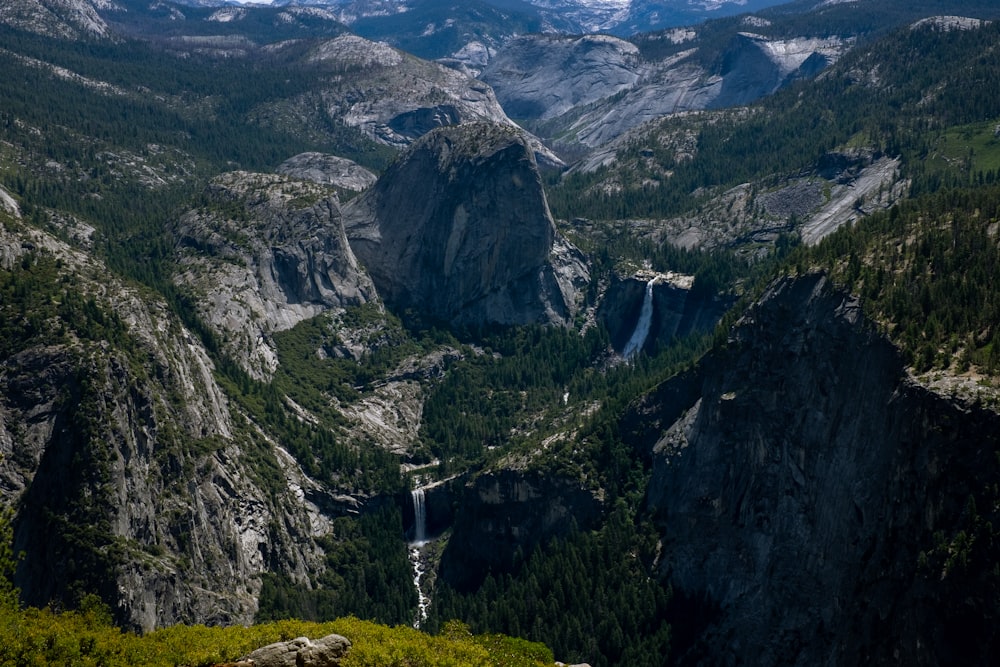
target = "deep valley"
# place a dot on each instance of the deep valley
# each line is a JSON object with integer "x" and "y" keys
{"x": 625, "y": 335}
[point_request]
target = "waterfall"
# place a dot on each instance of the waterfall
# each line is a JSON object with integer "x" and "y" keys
{"x": 419, "y": 540}
{"x": 638, "y": 338}
{"x": 419, "y": 517}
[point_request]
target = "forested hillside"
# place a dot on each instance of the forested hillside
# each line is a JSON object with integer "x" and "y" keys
{"x": 154, "y": 479}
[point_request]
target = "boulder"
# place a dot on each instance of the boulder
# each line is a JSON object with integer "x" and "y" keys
{"x": 301, "y": 652}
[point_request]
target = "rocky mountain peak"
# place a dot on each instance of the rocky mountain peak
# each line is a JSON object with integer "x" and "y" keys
{"x": 328, "y": 169}
{"x": 459, "y": 229}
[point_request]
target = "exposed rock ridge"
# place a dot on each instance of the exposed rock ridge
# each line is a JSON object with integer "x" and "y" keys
{"x": 458, "y": 229}
{"x": 588, "y": 91}
{"x": 264, "y": 254}
{"x": 800, "y": 480}
{"x": 328, "y": 170}
{"x": 949, "y": 23}
{"x": 129, "y": 473}
{"x": 69, "y": 19}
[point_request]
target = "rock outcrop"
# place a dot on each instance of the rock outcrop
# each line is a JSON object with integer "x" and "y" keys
{"x": 263, "y": 254}
{"x": 544, "y": 76}
{"x": 458, "y": 230}
{"x": 816, "y": 503}
{"x": 587, "y": 91}
{"x": 328, "y": 170}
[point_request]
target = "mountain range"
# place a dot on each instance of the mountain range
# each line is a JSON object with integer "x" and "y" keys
{"x": 657, "y": 343}
{"x": 573, "y": 16}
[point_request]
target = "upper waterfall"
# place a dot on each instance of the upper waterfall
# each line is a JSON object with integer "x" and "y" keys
{"x": 638, "y": 338}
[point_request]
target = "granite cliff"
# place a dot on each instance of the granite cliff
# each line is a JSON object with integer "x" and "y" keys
{"x": 458, "y": 229}
{"x": 131, "y": 474}
{"x": 677, "y": 310}
{"x": 583, "y": 92}
{"x": 264, "y": 253}
{"x": 816, "y": 504}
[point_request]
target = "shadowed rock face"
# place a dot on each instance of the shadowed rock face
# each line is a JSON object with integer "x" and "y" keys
{"x": 678, "y": 311}
{"x": 799, "y": 478}
{"x": 459, "y": 230}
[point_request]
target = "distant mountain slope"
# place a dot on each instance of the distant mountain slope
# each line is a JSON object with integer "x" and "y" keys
{"x": 58, "y": 18}
{"x": 840, "y": 435}
{"x": 582, "y": 92}
{"x": 887, "y": 105}
{"x": 620, "y": 17}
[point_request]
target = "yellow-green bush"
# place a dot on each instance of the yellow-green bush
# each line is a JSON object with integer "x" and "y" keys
{"x": 85, "y": 638}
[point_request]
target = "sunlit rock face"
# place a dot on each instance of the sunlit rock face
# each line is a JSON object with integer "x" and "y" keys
{"x": 588, "y": 91}
{"x": 265, "y": 253}
{"x": 129, "y": 476}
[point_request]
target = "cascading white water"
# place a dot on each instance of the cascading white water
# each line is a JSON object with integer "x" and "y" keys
{"x": 638, "y": 338}
{"x": 419, "y": 540}
{"x": 419, "y": 517}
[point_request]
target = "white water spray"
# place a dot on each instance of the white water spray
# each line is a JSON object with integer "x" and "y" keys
{"x": 419, "y": 517}
{"x": 419, "y": 540}
{"x": 638, "y": 338}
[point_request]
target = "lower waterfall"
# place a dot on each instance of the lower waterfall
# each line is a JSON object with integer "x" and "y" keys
{"x": 419, "y": 517}
{"x": 415, "y": 547}
{"x": 638, "y": 338}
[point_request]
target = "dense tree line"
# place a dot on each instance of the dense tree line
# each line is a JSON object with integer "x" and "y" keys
{"x": 929, "y": 271}
{"x": 589, "y": 596}
{"x": 518, "y": 372}
{"x": 367, "y": 575}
